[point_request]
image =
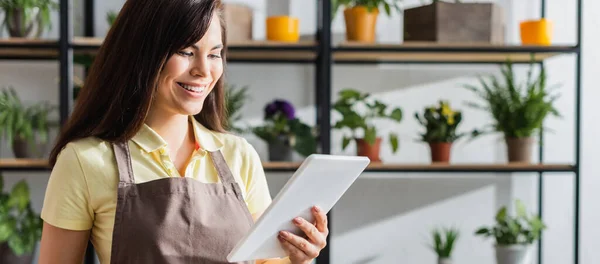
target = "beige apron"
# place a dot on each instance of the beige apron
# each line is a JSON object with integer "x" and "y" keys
{"x": 177, "y": 220}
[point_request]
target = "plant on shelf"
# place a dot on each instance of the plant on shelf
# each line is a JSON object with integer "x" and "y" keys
{"x": 518, "y": 109}
{"x": 360, "y": 16}
{"x": 514, "y": 236}
{"x": 284, "y": 132}
{"x": 111, "y": 16}
{"x": 24, "y": 127}
{"x": 444, "y": 241}
{"x": 440, "y": 124}
{"x": 27, "y": 18}
{"x": 369, "y": 144}
{"x": 235, "y": 99}
{"x": 20, "y": 227}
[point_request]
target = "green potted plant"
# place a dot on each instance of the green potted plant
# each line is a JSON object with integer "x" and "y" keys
{"x": 284, "y": 132}
{"x": 518, "y": 109}
{"x": 444, "y": 240}
{"x": 27, "y": 18}
{"x": 20, "y": 227}
{"x": 369, "y": 144}
{"x": 24, "y": 127}
{"x": 235, "y": 98}
{"x": 360, "y": 16}
{"x": 440, "y": 124}
{"x": 514, "y": 236}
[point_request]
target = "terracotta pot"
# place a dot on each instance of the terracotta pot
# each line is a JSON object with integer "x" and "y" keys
{"x": 440, "y": 151}
{"x": 7, "y": 256}
{"x": 363, "y": 148}
{"x": 519, "y": 149}
{"x": 360, "y": 24}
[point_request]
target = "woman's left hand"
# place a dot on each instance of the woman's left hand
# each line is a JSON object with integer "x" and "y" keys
{"x": 303, "y": 250}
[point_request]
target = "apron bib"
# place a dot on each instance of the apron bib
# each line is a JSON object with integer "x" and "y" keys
{"x": 177, "y": 220}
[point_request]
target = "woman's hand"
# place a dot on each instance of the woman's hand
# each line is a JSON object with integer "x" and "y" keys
{"x": 303, "y": 250}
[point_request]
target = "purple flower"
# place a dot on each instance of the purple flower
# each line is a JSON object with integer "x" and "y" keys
{"x": 280, "y": 106}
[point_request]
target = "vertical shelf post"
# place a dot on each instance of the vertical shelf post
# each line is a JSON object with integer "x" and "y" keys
{"x": 323, "y": 94}
{"x": 66, "y": 60}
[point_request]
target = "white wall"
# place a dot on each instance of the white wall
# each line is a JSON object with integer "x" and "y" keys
{"x": 387, "y": 219}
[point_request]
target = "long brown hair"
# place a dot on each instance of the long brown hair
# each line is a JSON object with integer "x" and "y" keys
{"x": 122, "y": 81}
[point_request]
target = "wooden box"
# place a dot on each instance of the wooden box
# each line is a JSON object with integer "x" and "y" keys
{"x": 238, "y": 18}
{"x": 455, "y": 22}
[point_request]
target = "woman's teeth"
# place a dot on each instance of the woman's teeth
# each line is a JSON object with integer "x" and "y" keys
{"x": 197, "y": 89}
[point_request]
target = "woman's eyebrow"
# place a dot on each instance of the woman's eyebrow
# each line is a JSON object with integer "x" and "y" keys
{"x": 214, "y": 48}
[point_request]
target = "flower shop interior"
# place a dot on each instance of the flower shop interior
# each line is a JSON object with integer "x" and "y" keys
{"x": 471, "y": 112}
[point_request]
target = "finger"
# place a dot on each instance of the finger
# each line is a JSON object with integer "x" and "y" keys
{"x": 290, "y": 249}
{"x": 300, "y": 243}
{"x": 320, "y": 220}
{"x": 311, "y": 231}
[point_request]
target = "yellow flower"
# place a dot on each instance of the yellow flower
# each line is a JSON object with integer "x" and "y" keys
{"x": 448, "y": 113}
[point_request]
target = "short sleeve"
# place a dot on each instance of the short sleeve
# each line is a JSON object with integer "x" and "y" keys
{"x": 67, "y": 198}
{"x": 258, "y": 197}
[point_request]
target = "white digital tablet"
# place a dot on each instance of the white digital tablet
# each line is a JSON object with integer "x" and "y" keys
{"x": 321, "y": 180}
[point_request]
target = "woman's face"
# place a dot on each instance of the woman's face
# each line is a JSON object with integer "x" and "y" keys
{"x": 191, "y": 74}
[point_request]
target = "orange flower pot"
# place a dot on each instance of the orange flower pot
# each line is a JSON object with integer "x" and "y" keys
{"x": 361, "y": 24}
{"x": 363, "y": 148}
{"x": 440, "y": 151}
{"x": 536, "y": 32}
{"x": 283, "y": 28}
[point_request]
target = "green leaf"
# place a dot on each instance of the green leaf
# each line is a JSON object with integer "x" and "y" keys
{"x": 19, "y": 196}
{"x": 394, "y": 142}
{"x": 370, "y": 135}
{"x": 345, "y": 142}
{"x": 482, "y": 231}
{"x": 396, "y": 114}
{"x": 521, "y": 211}
{"x": 7, "y": 229}
{"x": 501, "y": 215}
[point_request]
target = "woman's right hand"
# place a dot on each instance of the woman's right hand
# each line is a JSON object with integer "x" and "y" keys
{"x": 62, "y": 246}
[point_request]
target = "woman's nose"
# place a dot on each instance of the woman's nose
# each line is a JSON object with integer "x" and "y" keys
{"x": 200, "y": 67}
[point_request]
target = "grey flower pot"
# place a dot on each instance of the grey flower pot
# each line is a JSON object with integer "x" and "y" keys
{"x": 279, "y": 151}
{"x": 23, "y": 23}
{"x": 513, "y": 254}
{"x": 444, "y": 261}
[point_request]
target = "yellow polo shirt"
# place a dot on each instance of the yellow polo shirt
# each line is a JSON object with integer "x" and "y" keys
{"x": 82, "y": 190}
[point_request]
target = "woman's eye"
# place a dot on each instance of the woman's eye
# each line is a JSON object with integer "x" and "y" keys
{"x": 183, "y": 53}
{"x": 215, "y": 56}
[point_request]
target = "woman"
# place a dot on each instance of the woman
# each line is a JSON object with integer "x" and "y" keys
{"x": 144, "y": 168}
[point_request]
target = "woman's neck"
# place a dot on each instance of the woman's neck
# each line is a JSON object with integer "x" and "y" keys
{"x": 174, "y": 129}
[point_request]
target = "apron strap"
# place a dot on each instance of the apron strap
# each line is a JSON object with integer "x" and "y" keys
{"x": 123, "y": 158}
{"x": 223, "y": 170}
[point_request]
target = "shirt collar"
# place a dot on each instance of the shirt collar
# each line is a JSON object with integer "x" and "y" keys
{"x": 150, "y": 141}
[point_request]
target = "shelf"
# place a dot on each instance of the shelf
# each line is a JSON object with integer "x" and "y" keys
{"x": 439, "y": 168}
{"x": 305, "y": 51}
{"x": 42, "y": 164}
{"x": 253, "y": 51}
{"x": 424, "y": 52}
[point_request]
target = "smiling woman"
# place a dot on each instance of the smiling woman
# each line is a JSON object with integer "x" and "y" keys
{"x": 143, "y": 168}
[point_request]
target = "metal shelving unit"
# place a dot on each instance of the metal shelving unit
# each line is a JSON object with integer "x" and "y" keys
{"x": 323, "y": 55}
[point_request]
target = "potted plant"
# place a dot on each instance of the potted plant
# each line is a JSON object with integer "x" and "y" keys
{"x": 235, "y": 98}
{"x": 370, "y": 142}
{"x": 443, "y": 243}
{"x": 440, "y": 124}
{"x": 25, "y": 127}
{"x": 20, "y": 227}
{"x": 454, "y": 21}
{"x": 518, "y": 109}
{"x": 360, "y": 17}
{"x": 27, "y": 19}
{"x": 284, "y": 132}
{"x": 514, "y": 236}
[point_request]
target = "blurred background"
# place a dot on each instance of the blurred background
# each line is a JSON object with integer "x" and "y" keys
{"x": 430, "y": 175}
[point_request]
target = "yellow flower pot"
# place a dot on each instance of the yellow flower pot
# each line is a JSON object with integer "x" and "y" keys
{"x": 361, "y": 24}
{"x": 283, "y": 28}
{"x": 536, "y": 32}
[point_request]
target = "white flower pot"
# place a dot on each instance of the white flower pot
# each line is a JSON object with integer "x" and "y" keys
{"x": 513, "y": 254}
{"x": 444, "y": 261}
